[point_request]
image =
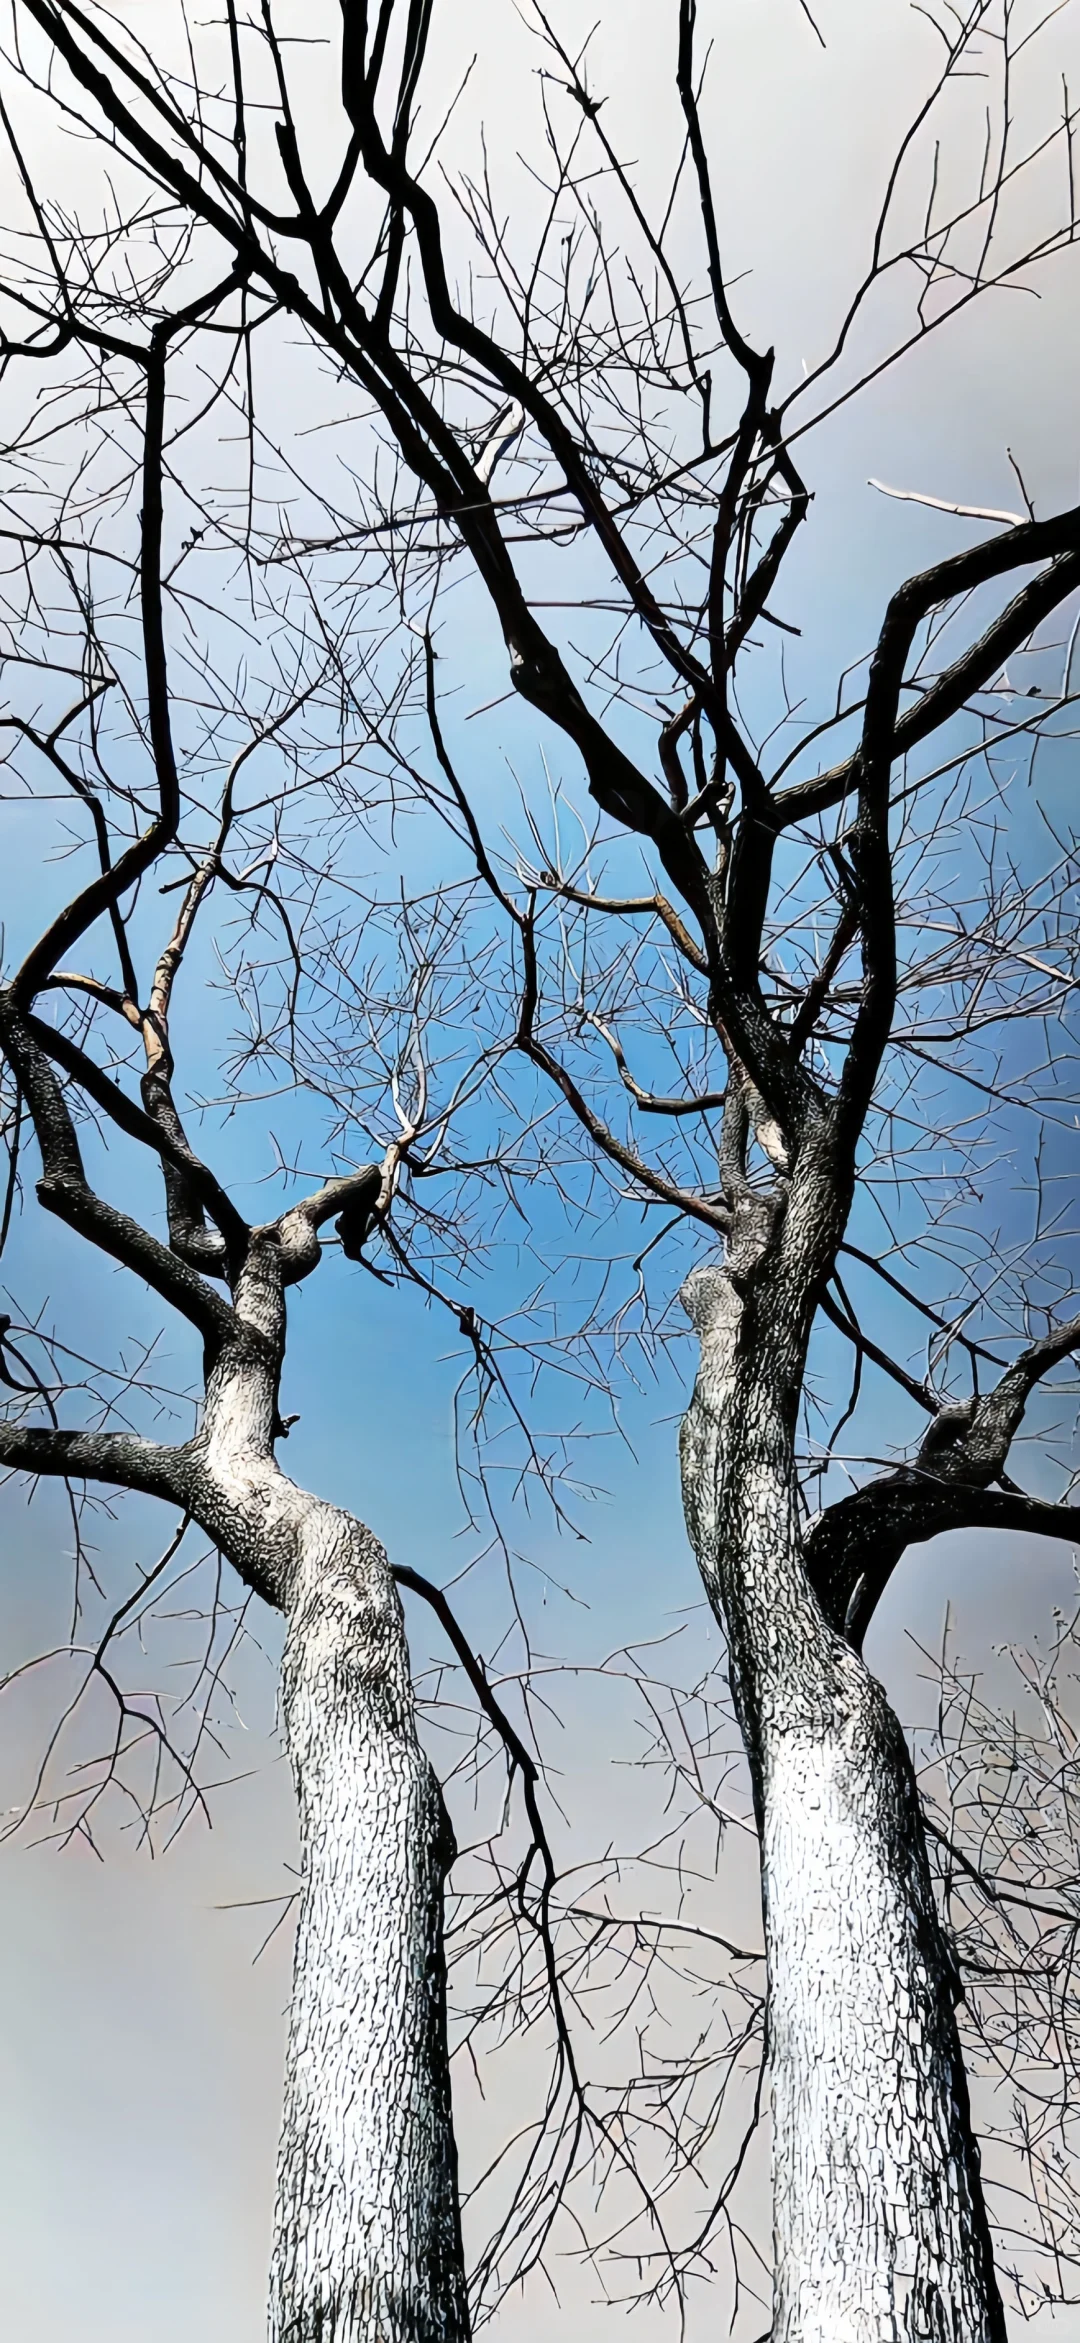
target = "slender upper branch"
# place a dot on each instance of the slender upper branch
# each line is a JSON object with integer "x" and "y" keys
{"x": 1057, "y": 539}
{"x": 629, "y": 906}
{"x": 871, "y": 766}
{"x": 714, "y": 1215}
{"x": 114, "y": 881}
{"x": 704, "y": 1103}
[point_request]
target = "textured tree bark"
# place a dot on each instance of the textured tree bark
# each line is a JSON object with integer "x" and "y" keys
{"x": 367, "y": 2243}
{"x": 879, "y": 2223}
{"x": 367, "y": 2239}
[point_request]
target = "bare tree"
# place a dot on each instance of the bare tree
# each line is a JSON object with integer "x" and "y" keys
{"x": 827, "y": 956}
{"x": 167, "y": 776}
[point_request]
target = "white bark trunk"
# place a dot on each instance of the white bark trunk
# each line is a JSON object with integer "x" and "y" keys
{"x": 880, "y": 2231}
{"x": 879, "y": 2226}
{"x": 367, "y": 2245}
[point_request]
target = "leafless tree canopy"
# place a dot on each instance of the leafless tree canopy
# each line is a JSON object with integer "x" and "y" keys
{"x": 322, "y": 419}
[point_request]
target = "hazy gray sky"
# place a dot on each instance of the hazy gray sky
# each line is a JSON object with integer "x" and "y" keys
{"x": 140, "y": 2051}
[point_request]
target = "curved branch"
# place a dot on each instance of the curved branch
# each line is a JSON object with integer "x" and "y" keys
{"x": 645, "y": 1099}
{"x": 153, "y": 1130}
{"x": 949, "y": 693}
{"x": 620, "y": 906}
{"x": 871, "y": 857}
{"x": 855, "y": 1546}
{"x": 65, "y": 1190}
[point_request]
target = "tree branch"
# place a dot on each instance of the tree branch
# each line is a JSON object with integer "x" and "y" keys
{"x": 117, "y": 1458}
{"x": 65, "y": 1190}
{"x": 151, "y": 1130}
{"x": 855, "y": 1545}
{"x": 714, "y": 1216}
{"x": 949, "y": 693}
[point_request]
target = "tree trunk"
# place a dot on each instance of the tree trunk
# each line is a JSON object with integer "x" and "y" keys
{"x": 879, "y": 2219}
{"x": 880, "y": 2229}
{"x": 367, "y": 2238}
{"x": 368, "y": 2244}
